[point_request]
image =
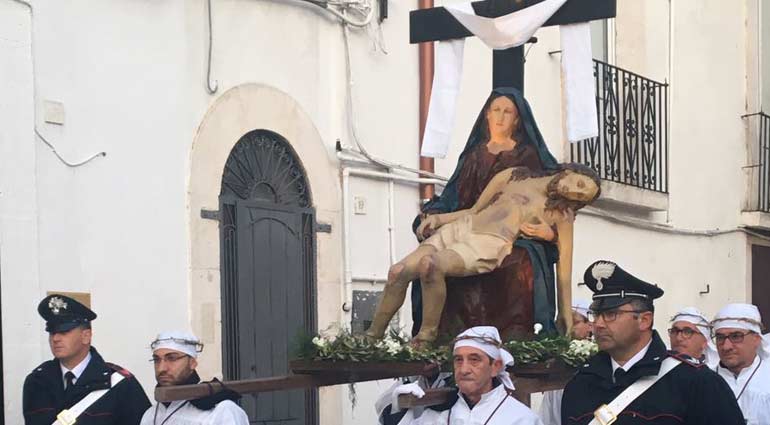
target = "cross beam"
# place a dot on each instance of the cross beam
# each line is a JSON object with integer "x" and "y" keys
{"x": 436, "y": 24}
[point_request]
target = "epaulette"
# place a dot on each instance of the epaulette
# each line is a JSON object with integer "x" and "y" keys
{"x": 688, "y": 360}
{"x": 42, "y": 366}
{"x": 119, "y": 369}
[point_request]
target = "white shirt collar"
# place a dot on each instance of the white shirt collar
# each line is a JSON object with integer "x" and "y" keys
{"x": 77, "y": 370}
{"x": 743, "y": 374}
{"x": 632, "y": 361}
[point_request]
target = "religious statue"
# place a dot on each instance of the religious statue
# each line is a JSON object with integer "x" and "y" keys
{"x": 520, "y": 292}
{"x": 476, "y": 240}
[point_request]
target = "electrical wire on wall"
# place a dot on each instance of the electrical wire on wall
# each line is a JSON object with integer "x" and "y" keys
{"x": 363, "y": 10}
{"x": 360, "y": 14}
{"x": 351, "y": 118}
{"x": 64, "y": 161}
{"x": 211, "y": 89}
{"x": 35, "y": 97}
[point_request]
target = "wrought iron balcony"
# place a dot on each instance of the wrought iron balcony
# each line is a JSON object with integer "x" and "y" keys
{"x": 760, "y": 166}
{"x": 632, "y": 146}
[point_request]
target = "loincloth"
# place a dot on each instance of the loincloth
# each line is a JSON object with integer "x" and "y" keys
{"x": 481, "y": 252}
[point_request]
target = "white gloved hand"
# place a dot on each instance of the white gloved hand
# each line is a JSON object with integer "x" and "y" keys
{"x": 412, "y": 388}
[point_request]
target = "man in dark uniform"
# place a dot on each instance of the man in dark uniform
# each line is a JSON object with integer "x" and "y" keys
{"x": 632, "y": 355}
{"x": 78, "y": 384}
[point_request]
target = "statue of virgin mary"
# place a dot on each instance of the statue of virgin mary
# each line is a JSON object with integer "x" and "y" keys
{"x": 521, "y": 292}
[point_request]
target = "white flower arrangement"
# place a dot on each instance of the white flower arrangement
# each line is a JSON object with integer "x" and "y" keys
{"x": 392, "y": 346}
{"x": 582, "y": 348}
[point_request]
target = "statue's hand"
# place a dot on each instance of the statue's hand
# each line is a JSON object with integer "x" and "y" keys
{"x": 541, "y": 231}
{"x": 427, "y": 227}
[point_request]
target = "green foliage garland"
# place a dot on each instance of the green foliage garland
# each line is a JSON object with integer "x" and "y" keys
{"x": 346, "y": 347}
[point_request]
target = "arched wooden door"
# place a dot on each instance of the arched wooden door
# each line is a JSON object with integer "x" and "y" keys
{"x": 268, "y": 272}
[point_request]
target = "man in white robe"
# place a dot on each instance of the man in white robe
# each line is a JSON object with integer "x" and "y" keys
{"x": 485, "y": 390}
{"x": 690, "y": 333}
{"x": 174, "y": 355}
{"x": 744, "y": 359}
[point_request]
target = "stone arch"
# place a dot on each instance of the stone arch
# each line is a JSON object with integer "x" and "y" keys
{"x": 235, "y": 113}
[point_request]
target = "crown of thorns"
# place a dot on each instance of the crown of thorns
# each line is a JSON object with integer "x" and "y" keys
{"x": 703, "y": 322}
{"x": 482, "y": 339}
{"x": 197, "y": 344}
{"x": 740, "y": 319}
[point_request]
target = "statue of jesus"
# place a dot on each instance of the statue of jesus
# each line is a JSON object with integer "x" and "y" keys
{"x": 476, "y": 240}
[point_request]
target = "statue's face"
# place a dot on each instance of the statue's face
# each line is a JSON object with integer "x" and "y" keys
{"x": 577, "y": 187}
{"x": 502, "y": 117}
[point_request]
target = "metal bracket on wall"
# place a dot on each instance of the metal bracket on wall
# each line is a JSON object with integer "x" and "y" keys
{"x": 323, "y": 227}
{"x": 210, "y": 214}
{"x": 708, "y": 290}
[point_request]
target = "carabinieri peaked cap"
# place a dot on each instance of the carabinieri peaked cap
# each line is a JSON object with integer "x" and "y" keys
{"x": 62, "y": 313}
{"x": 613, "y": 287}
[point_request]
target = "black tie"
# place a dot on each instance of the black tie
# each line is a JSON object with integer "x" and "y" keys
{"x": 619, "y": 374}
{"x": 70, "y": 378}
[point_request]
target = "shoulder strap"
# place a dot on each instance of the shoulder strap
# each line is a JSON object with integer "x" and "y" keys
{"x": 607, "y": 413}
{"x": 70, "y": 416}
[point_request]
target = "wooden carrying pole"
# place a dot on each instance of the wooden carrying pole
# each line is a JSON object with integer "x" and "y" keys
{"x": 259, "y": 385}
{"x": 307, "y": 375}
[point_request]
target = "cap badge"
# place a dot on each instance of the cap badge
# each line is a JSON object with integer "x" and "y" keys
{"x": 601, "y": 271}
{"x": 56, "y": 305}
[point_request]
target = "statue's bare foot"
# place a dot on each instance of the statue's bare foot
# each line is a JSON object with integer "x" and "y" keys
{"x": 419, "y": 344}
{"x": 372, "y": 336}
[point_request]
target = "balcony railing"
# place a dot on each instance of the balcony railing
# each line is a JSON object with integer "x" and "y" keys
{"x": 632, "y": 146}
{"x": 760, "y": 167}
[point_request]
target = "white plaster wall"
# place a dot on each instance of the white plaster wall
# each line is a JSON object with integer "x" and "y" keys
{"x": 682, "y": 265}
{"x": 18, "y": 207}
{"x": 642, "y": 38}
{"x": 707, "y": 145}
{"x": 115, "y": 227}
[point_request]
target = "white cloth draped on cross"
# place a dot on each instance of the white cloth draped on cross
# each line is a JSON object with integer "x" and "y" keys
{"x": 511, "y": 30}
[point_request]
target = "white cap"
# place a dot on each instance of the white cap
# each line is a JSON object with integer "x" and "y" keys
{"x": 581, "y": 306}
{"x": 743, "y": 316}
{"x": 487, "y": 339}
{"x": 694, "y": 316}
{"x": 181, "y": 341}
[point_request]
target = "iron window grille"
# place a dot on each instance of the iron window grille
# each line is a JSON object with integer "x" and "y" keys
{"x": 632, "y": 146}
{"x": 759, "y": 169}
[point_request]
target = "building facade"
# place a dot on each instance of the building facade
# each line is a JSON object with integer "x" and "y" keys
{"x": 178, "y": 199}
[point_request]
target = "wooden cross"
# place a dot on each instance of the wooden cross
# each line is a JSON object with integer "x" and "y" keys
{"x": 437, "y": 24}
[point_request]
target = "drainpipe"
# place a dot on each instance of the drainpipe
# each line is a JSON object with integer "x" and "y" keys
{"x": 426, "y": 83}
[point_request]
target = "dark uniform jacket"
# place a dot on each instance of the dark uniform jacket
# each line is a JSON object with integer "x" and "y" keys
{"x": 44, "y": 395}
{"x": 688, "y": 394}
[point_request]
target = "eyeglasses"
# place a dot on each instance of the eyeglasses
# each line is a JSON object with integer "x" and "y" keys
{"x": 686, "y": 333}
{"x": 609, "y": 315}
{"x": 168, "y": 358}
{"x": 734, "y": 337}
